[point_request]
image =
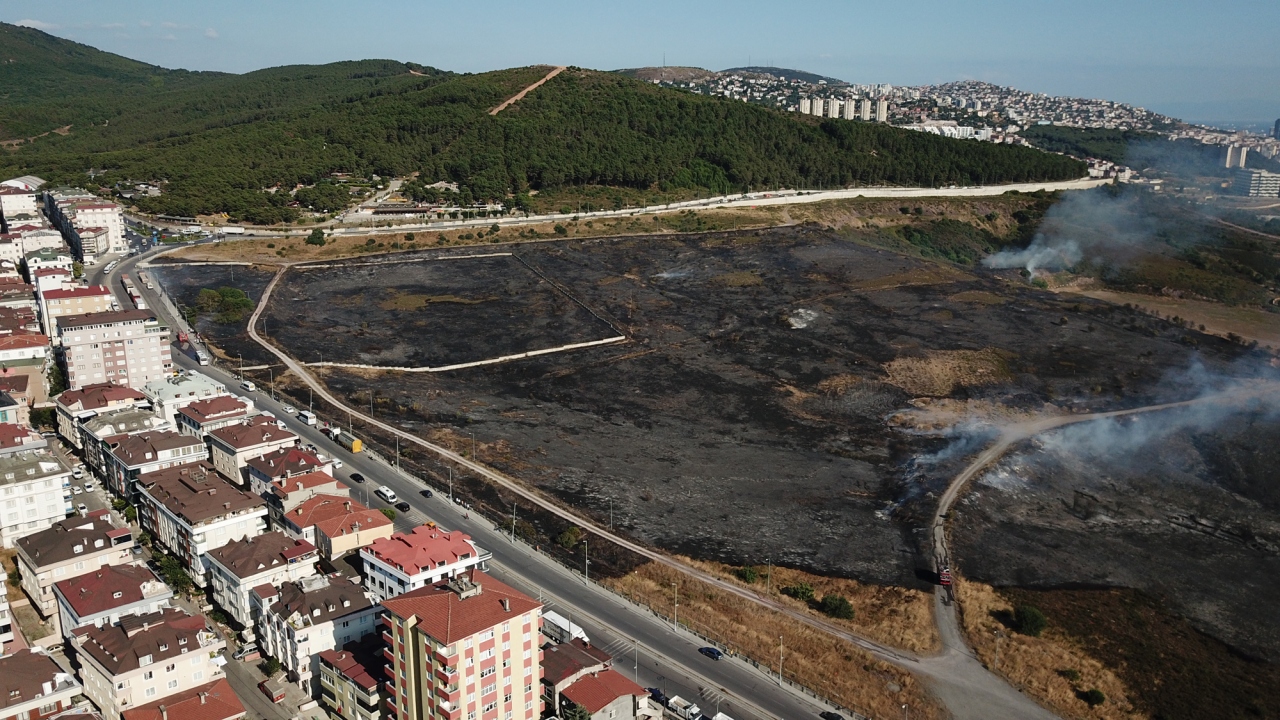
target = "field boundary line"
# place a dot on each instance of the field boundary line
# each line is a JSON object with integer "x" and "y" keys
{"x": 477, "y": 363}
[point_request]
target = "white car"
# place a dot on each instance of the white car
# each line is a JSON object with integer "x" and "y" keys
{"x": 88, "y": 486}
{"x": 337, "y": 464}
{"x": 77, "y": 473}
{"x": 386, "y": 493}
{"x": 75, "y": 490}
{"x": 248, "y": 385}
{"x": 290, "y": 410}
{"x": 82, "y": 508}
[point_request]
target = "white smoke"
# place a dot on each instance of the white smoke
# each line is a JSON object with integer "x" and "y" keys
{"x": 1100, "y": 225}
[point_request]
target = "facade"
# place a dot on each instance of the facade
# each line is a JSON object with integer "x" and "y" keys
{"x": 406, "y": 562}
{"x": 283, "y": 467}
{"x": 6, "y": 621}
{"x": 192, "y": 510}
{"x": 147, "y": 658}
{"x": 467, "y": 648}
{"x": 565, "y": 664}
{"x": 68, "y": 549}
{"x": 72, "y": 208}
{"x": 62, "y": 302}
{"x": 240, "y": 566}
{"x": 882, "y": 110}
{"x": 849, "y": 110}
{"x": 12, "y": 411}
{"x": 102, "y": 597}
{"x": 351, "y": 680}
{"x": 211, "y": 701}
{"x": 95, "y": 430}
{"x": 75, "y": 405}
{"x": 34, "y": 686}
{"x": 204, "y": 416}
{"x": 126, "y": 347}
{"x": 231, "y": 447}
{"x": 24, "y": 348}
{"x": 35, "y": 486}
{"x": 336, "y": 524}
{"x": 864, "y": 109}
{"x": 17, "y": 201}
{"x": 302, "y": 619}
{"x": 1257, "y": 183}
{"x": 17, "y": 438}
{"x": 128, "y": 457}
{"x": 171, "y": 393}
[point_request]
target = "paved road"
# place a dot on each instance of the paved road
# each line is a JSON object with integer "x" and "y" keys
{"x": 668, "y": 659}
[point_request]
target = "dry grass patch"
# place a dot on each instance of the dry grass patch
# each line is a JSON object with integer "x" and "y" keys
{"x": 927, "y": 275}
{"x": 741, "y": 278}
{"x": 1052, "y": 668}
{"x": 979, "y": 297}
{"x": 939, "y": 372}
{"x": 410, "y": 301}
{"x": 832, "y": 667}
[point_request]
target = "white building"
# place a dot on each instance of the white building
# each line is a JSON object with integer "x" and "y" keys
{"x": 127, "y": 347}
{"x": 68, "y": 549}
{"x": 242, "y": 565}
{"x": 36, "y": 491}
{"x": 302, "y": 619}
{"x": 232, "y": 447}
{"x": 102, "y": 597}
{"x": 171, "y": 393}
{"x": 410, "y": 561}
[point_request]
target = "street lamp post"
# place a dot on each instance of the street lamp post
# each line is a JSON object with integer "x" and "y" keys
{"x": 906, "y": 712}
{"x": 271, "y": 379}
{"x": 241, "y": 365}
{"x": 450, "y": 483}
{"x": 513, "y": 522}
{"x": 675, "y": 606}
{"x": 779, "y": 661}
{"x": 611, "y": 514}
{"x": 586, "y": 570}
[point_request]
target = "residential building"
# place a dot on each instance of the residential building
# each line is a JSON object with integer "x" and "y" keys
{"x": 211, "y": 701}
{"x": 12, "y": 411}
{"x": 610, "y": 695}
{"x": 34, "y": 687}
{"x": 126, "y": 347}
{"x": 18, "y": 438}
{"x": 25, "y": 348}
{"x": 864, "y": 109}
{"x": 464, "y": 648}
{"x": 239, "y": 566}
{"x": 171, "y": 393}
{"x": 1236, "y": 155}
{"x": 53, "y": 278}
{"x": 17, "y": 201}
{"x": 882, "y": 110}
{"x": 145, "y": 658}
{"x": 6, "y": 621}
{"x": 410, "y": 561}
{"x": 105, "y": 595}
{"x": 19, "y": 387}
{"x": 284, "y": 465}
{"x": 1257, "y": 183}
{"x": 127, "y": 457}
{"x": 336, "y": 524}
{"x": 75, "y": 405}
{"x": 302, "y": 619}
{"x": 204, "y": 416}
{"x": 71, "y": 208}
{"x": 231, "y": 447}
{"x": 351, "y": 680}
{"x": 69, "y": 549}
{"x": 92, "y": 241}
{"x": 16, "y": 294}
{"x": 566, "y": 663}
{"x": 849, "y": 109}
{"x": 80, "y": 300}
{"x": 286, "y": 494}
{"x": 36, "y": 490}
{"x": 47, "y": 257}
{"x": 97, "y": 429}
{"x": 191, "y": 510}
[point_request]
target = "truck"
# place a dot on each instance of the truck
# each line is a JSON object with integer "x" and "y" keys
{"x": 556, "y": 627}
{"x": 683, "y": 708}
{"x": 350, "y": 442}
{"x": 232, "y": 230}
{"x": 191, "y": 230}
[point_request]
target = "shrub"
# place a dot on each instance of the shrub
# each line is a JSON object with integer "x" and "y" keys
{"x": 271, "y": 667}
{"x": 1093, "y": 696}
{"x": 1029, "y": 620}
{"x": 493, "y": 229}
{"x": 316, "y": 237}
{"x": 803, "y": 591}
{"x": 837, "y": 606}
{"x": 748, "y": 574}
{"x": 271, "y": 245}
{"x": 570, "y": 537}
{"x": 15, "y": 577}
{"x": 390, "y": 513}
{"x": 1070, "y": 674}
{"x": 408, "y": 237}
{"x": 561, "y": 230}
{"x": 370, "y": 242}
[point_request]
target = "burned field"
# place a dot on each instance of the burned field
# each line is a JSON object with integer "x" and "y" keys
{"x": 183, "y": 282}
{"x": 429, "y": 311}
{"x": 745, "y": 418}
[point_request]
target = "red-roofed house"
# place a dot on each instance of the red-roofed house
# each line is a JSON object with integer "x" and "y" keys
{"x": 59, "y": 302}
{"x": 211, "y": 701}
{"x": 231, "y": 447}
{"x": 75, "y": 405}
{"x": 268, "y": 559}
{"x": 203, "y": 416}
{"x": 336, "y": 524}
{"x": 16, "y": 438}
{"x": 107, "y": 594}
{"x": 406, "y": 562}
{"x": 351, "y": 680}
{"x": 25, "y": 348}
{"x": 609, "y": 695}
{"x": 284, "y": 464}
{"x": 469, "y": 646}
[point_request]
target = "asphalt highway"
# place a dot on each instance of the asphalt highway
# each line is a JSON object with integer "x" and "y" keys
{"x": 666, "y": 659}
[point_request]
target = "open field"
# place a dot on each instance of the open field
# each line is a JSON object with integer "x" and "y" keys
{"x": 1217, "y": 318}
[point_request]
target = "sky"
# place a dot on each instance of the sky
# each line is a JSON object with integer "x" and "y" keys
{"x": 1200, "y": 61}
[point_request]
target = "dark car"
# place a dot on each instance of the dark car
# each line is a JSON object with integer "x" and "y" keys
{"x": 403, "y": 507}
{"x": 711, "y": 652}
{"x": 425, "y": 493}
{"x": 657, "y": 696}
{"x": 828, "y": 715}
{"x": 357, "y": 477}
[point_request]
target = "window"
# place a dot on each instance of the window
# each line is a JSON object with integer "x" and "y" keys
{"x": 173, "y": 684}
{"x": 487, "y": 672}
{"x": 170, "y": 667}
{"x": 197, "y": 675}
{"x": 148, "y": 675}
{"x": 47, "y": 709}
{"x": 490, "y": 707}
{"x": 151, "y": 692}
{"x": 488, "y": 689}
{"x": 506, "y": 698}
{"x": 195, "y": 660}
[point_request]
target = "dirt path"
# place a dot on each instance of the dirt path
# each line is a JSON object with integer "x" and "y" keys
{"x": 64, "y": 130}
{"x": 1242, "y": 228}
{"x": 554, "y": 72}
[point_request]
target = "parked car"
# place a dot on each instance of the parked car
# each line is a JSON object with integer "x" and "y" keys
{"x": 77, "y": 473}
{"x": 425, "y": 493}
{"x": 75, "y": 490}
{"x": 357, "y": 477}
{"x": 245, "y": 651}
{"x": 88, "y": 486}
{"x": 403, "y": 506}
{"x": 711, "y": 652}
{"x": 828, "y": 715}
{"x": 82, "y": 508}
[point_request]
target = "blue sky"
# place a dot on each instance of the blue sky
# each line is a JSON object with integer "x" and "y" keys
{"x": 1196, "y": 60}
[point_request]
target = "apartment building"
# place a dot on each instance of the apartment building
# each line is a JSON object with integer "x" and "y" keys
{"x": 34, "y": 687}
{"x": 466, "y": 648}
{"x": 192, "y": 510}
{"x": 231, "y": 447}
{"x": 171, "y": 393}
{"x": 128, "y": 457}
{"x": 24, "y": 349}
{"x": 406, "y": 562}
{"x": 351, "y": 680}
{"x": 239, "y": 566}
{"x": 47, "y": 257}
{"x": 68, "y": 549}
{"x": 73, "y": 406}
{"x": 12, "y": 411}
{"x": 283, "y": 466}
{"x": 105, "y": 595}
{"x": 285, "y": 494}
{"x": 302, "y": 619}
{"x": 17, "y": 201}
{"x": 71, "y": 208}
{"x": 17, "y": 438}
{"x": 336, "y": 524}
{"x": 6, "y": 621}
{"x": 95, "y": 430}
{"x": 211, "y": 701}
{"x": 204, "y": 416}
{"x": 61, "y": 302}
{"x": 35, "y": 488}
{"x": 576, "y": 673}
{"x": 125, "y": 347}
{"x": 145, "y": 658}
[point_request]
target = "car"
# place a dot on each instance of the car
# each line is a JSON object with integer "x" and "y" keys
{"x": 82, "y": 508}
{"x": 245, "y": 651}
{"x": 289, "y": 410}
{"x": 403, "y": 506}
{"x": 711, "y": 652}
{"x": 357, "y": 477}
{"x": 136, "y": 549}
{"x": 425, "y": 493}
{"x": 387, "y": 494}
{"x": 337, "y": 464}
{"x": 828, "y": 715}
{"x": 77, "y": 473}
{"x": 75, "y": 490}
{"x": 88, "y": 486}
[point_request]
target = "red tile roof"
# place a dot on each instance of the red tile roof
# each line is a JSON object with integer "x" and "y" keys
{"x": 286, "y": 462}
{"x": 334, "y": 515}
{"x": 446, "y": 617}
{"x": 218, "y": 408}
{"x": 98, "y": 396}
{"x": 22, "y": 340}
{"x": 12, "y": 436}
{"x": 563, "y": 661}
{"x": 596, "y": 691}
{"x": 211, "y": 701}
{"x": 426, "y": 548}
{"x": 259, "y": 431}
{"x": 282, "y": 487}
{"x": 360, "y": 661}
{"x": 91, "y": 291}
{"x": 96, "y": 592}
{"x": 46, "y": 272}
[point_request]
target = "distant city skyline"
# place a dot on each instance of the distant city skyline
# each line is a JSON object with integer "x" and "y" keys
{"x": 1193, "y": 60}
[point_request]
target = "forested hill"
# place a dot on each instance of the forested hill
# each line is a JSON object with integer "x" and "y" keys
{"x": 218, "y": 141}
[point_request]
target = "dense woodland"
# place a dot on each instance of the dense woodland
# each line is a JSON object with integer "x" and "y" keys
{"x": 241, "y": 144}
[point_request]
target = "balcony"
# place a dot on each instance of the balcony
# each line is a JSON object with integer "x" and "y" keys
{"x": 386, "y": 653}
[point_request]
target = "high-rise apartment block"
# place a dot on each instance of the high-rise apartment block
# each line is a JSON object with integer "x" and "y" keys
{"x": 1257, "y": 183}
{"x": 1236, "y": 156}
{"x": 126, "y": 347}
{"x": 882, "y": 110}
{"x": 864, "y": 109}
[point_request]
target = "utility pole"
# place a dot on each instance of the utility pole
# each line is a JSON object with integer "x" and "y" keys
{"x": 450, "y": 483}
{"x": 473, "y": 447}
{"x": 768, "y": 583}
{"x": 370, "y": 402}
{"x": 610, "y": 514}
{"x": 636, "y": 667}
{"x": 311, "y": 399}
{"x": 585, "y": 563}
{"x": 241, "y": 365}
{"x": 675, "y": 606}
{"x": 397, "y": 452}
{"x": 513, "y": 522}
{"x": 779, "y": 661}
{"x": 271, "y": 373}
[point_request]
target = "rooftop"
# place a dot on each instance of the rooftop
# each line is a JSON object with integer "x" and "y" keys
{"x": 284, "y": 486}
{"x": 111, "y": 317}
{"x": 145, "y": 447}
{"x": 122, "y": 421}
{"x": 21, "y": 467}
{"x": 110, "y": 587}
{"x": 286, "y": 463}
{"x": 90, "y": 291}
{"x": 152, "y": 638}
{"x": 446, "y": 616}
{"x": 336, "y": 515}
{"x": 197, "y": 493}
{"x": 596, "y": 691}
{"x": 563, "y": 661}
{"x": 24, "y": 674}
{"x": 426, "y": 548}
{"x": 248, "y": 557}
{"x": 72, "y": 537}
{"x": 319, "y": 599}
{"x": 98, "y": 396}
{"x": 211, "y": 701}
{"x": 188, "y": 385}
{"x": 216, "y": 408}
{"x": 361, "y": 662}
{"x": 12, "y": 436}
{"x": 261, "y": 430}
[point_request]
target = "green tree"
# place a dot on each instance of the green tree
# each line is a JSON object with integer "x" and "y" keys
{"x": 408, "y": 237}
{"x": 208, "y": 300}
{"x": 561, "y": 230}
{"x": 748, "y": 574}
{"x": 390, "y": 513}
{"x": 569, "y": 537}
{"x": 270, "y": 667}
{"x": 493, "y": 229}
{"x": 799, "y": 591}
{"x": 131, "y": 515}
{"x": 77, "y": 270}
{"x": 573, "y": 711}
{"x": 1093, "y": 697}
{"x": 1029, "y": 620}
{"x": 15, "y": 578}
{"x": 44, "y": 418}
{"x": 316, "y": 237}
{"x": 57, "y": 380}
{"x": 837, "y": 606}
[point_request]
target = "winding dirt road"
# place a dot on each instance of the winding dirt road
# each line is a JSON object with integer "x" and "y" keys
{"x": 514, "y": 98}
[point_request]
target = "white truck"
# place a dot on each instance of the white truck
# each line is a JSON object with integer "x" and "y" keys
{"x": 556, "y": 627}
{"x": 191, "y": 230}
{"x": 683, "y": 708}
{"x": 232, "y": 230}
